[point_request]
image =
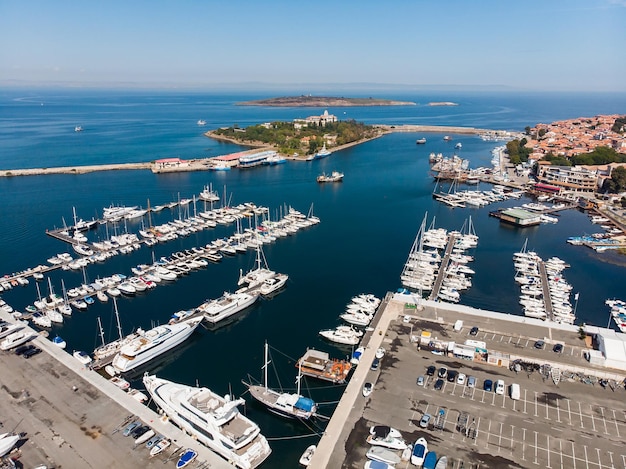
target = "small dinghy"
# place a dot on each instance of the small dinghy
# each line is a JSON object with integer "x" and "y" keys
{"x": 59, "y": 342}
{"x": 186, "y": 458}
{"x": 306, "y": 457}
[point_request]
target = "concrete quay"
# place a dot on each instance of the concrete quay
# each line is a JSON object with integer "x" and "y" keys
{"x": 566, "y": 424}
{"x": 72, "y": 416}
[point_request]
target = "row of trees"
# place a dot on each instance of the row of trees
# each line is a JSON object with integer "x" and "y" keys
{"x": 517, "y": 151}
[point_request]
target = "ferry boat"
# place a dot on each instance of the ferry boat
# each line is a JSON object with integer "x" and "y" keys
{"x": 255, "y": 159}
{"x": 335, "y": 176}
{"x": 150, "y": 344}
{"x": 319, "y": 365}
{"x": 213, "y": 420}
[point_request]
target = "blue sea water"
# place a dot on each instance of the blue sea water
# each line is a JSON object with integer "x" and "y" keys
{"x": 368, "y": 223}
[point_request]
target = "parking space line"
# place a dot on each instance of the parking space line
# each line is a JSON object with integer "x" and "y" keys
{"x": 536, "y": 448}
{"x": 593, "y": 422}
{"x": 624, "y": 460}
{"x": 580, "y": 412}
{"x": 493, "y": 336}
{"x": 606, "y": 431}
{"x": 586, "y": 458}
{"x": 573, "y": 455}
{"x": 500, "y": 439}
{"x": 512, "y": 439}
{"x": 503, "y": 400}
{"x": 477, "y": 425}
{"x": 493, "y": 399}
{"x": 548, "y": 448}
{"x": 547, "y": 416}
{"x": 558, "y": 411}
{"x": 518, "y": 341}
{"x": 483, "y": 399}
{"x": 501, "y": 337}
{"x": 561, "y": 450}
{"x": 527, "y": 340}
{"x": 616, "y": 426}
{"x": 536, "y": 415}
{"x": 569, "y": 411}
{"x": 488, "y": 435}
{"x": 611, "y": 458}
{"x": 599, "y": 460}
{"x": 523, "y": 443}
{"x": 525, "y": 401}
{"x": 510, "y": 339}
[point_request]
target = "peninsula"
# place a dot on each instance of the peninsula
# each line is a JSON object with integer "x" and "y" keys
{"x": 323, "y": 101}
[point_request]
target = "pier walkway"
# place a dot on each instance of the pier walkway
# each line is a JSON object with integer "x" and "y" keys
{"x": 443, "y": 268}
{"x": 545, "y": 286}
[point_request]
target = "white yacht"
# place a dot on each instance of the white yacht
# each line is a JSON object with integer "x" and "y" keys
{"x": 357, "y": 318}
{"x": 225, "y": 306}
{"x": 212, "y": 419}
{"x": 16, "y": 338}
{"x": 274, "y": 284}
{"x": 150, "y": 344}
{"x": 342, "y": 335}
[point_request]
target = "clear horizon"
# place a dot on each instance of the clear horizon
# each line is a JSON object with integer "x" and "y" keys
{"x": 530, "y": 46}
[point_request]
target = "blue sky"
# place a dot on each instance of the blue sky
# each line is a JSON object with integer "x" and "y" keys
{"x": 570, "y": 45}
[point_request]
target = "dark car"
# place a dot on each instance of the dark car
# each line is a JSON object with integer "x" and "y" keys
{"x": 474, "y": 330}
{"x": 558, "y": 348}
{"x": 452, "y": 375}
{"x": 375, "y": 364}
{"x": 439, "y": 384}
{"x": 539, "y": 344}
{"x": 443, "y": 371}
{"x": 488, "y": 385}
{"x": 30, "y": 352}
{"x": 137, "y": 432}
{"x": 22, "y": 349}
{"x": 430, "y": 371}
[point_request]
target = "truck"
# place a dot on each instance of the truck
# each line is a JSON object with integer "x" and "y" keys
{"x": 514, "y": 391}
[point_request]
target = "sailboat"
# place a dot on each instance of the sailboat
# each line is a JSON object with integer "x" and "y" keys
{"x": 110, "y": 349}
{"x": 285, "y": 404}
{"x": 259, "y": 274}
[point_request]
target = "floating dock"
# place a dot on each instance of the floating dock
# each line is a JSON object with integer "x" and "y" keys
{"x": 319, "y": 365}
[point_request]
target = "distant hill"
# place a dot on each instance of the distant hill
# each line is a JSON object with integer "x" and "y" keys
{"x": 323, "y": 101}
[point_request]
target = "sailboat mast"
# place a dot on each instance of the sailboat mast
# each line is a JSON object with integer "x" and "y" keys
{"x": 117, "y": 317}
{"x": 266, "y": 366}
{"x": 101, "y": 331}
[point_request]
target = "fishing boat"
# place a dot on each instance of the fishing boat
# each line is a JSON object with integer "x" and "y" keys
{"x": 186, "y": 458}
{"x": 212, "y": 419}
{"x": 290, "y": 405}
{"x": 152, "y": 343}
{"x": 318, "y": 364}
{"x": 306, "y": 457}
{"x": 335, "y": 176}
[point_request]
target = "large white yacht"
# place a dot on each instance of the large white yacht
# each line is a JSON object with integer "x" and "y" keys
{"x": 214, "y": 420}
{"x": 225, "y": 306}
{"x": 150, "y": 344}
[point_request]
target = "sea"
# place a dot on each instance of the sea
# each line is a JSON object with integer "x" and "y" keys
{"x": 368, "y": 222}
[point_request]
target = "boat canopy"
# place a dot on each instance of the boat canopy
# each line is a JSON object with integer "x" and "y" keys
{"x": 381, "y": 431}
{"x": 305, "y": 404}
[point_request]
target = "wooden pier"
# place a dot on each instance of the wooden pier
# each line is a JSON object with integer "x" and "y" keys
{"x": 545, "y": 287}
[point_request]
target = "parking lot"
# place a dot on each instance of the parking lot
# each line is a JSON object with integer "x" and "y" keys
{"x": 569, "y": 425}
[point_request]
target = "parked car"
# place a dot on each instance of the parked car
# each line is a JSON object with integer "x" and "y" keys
{"x": 460, "y": 379}
{"x": 539, "y": 344}
{"x": 30, "y": 352}
{"x": 558, "y": 348}
{"x": 443, "y": 371}
{"x": 420, "y": 380}
{"x": 471, "y": 382}
{"x": 23, "y": 349}
{"x": 424, "y": 421}
{"x": 452, "y": 375}
{"x": 474, "y": 330}
{"x": 430, "y": 371}
{"x": 488, "y": 385}
{"x": 375, "y": 364}
{"x": 439, "y": 384}
{"x": 499, "y": 387}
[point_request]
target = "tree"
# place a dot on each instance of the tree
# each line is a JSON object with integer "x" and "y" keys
{"x": 617, "y": 183}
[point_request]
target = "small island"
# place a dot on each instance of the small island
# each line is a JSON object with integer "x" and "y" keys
{"x": 323, "y": 101}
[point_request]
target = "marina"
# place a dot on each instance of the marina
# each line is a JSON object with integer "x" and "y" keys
{"x": 369, "y": 224}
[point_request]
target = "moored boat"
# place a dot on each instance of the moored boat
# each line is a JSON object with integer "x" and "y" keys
{"x": 306, "y": 457}
{"x": 186, "y": 458}
{"x": 318, "y": 364}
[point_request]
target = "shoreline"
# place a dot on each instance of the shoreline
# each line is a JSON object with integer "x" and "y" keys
{"x": 201, "y": 164}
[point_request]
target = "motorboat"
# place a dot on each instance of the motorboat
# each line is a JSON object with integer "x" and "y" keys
{"x": 335, "y": 176}
{"x": 82, "y": 357}
{"x": 186, "y": 457}
{"x": 213, "y": 420}
{"x": 356, "y": 318}
{"x": 273, "y": 284}
{"x": 41, "y": 320}
{"x": 378, "y": 453}
{"x": 152, "y": 343}
{"x": 306, "y": 457}
{"x": 159, "y": 447}
{"x": 153, "y": 441}
{"x": 383, "y": 431}
{"x": 7, "y": 329}
{"x": 225, "y": 306}
{"x": 420, "y": 141}
{"x": 145, "y": 437}
{"x": 15, "y": 338}
{"x": 371, "y": 464}
{"x": 380, "y": 353}
{"x": 290, "y": 405}
{"x": 59, "y": 342}
{"x": 342, "y": 335}
{"x": 356, "y": 356}
{"x": 367, "y": 389}
{"x": 7, "y": 442}
{"x": 323, "y": 153}
{"x": 430, "y": 461}
{"x": 120, "y": 383}
{"x": 420, "y": 448}
{"x": 137, "y": 395}
{"x": 387, "y": 442}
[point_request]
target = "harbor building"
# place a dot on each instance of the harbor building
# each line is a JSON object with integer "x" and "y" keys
{"x": 572, "y": 179}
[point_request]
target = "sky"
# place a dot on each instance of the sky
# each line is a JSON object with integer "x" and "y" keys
{"x": 566, "y": 45}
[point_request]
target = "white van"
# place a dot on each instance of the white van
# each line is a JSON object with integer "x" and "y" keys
{"x": 499, "y": 387}
{"x": 514, "y": 391}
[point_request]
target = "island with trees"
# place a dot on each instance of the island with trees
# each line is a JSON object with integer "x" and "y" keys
{"x": 323, "y": 101}
{"x": 299, "y": 138}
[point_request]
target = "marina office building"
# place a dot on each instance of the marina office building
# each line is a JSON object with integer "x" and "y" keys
{"x": 571, "y": 179}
